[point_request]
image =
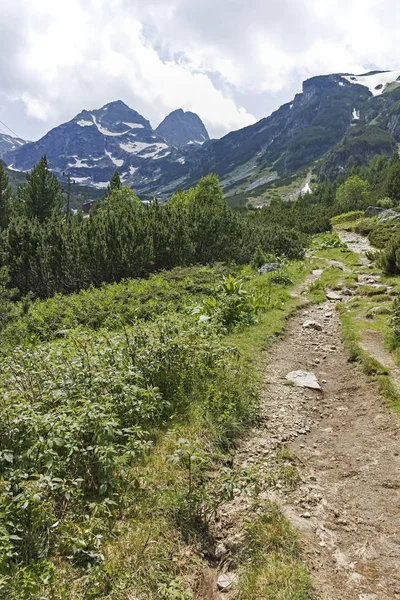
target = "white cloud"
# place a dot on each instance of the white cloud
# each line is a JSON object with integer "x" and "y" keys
{"x": 215, "y": 58}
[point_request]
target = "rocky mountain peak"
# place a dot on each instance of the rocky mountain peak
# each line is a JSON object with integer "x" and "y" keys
{"x": 180, "y": 128}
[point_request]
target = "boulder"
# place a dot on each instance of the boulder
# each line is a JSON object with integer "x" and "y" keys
{"x": 373, "y": 211}
{"x": 388, "y": 215}
{"x": 269, "y": 267}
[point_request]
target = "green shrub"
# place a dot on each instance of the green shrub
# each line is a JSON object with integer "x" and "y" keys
{"x": 389, "y": 259}
{"x": 382, "y": 233}
{"x": 365, "y": 226}
{"x": 353, "y": 215}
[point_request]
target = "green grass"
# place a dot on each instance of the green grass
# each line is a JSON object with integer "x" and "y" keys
{"x": 353, "y": 325}
{"x": 274, "y": 568}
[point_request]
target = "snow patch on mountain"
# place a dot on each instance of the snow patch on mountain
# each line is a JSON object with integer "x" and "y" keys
{"x": 375, "y": 82}
{"x": 78, "y": 164}
{"x": 134, "y": 125}
{"x": 117, "y": 162}
{"x": 134, "y": 147}
{"x": 84, "y": 123}
{"x": 105, "y": 131}
{"x": 356, "y": 115}
{"x": 82, "y": 180}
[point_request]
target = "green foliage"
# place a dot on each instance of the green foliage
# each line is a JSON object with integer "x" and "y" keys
{"x": 273, "y": 569}
{"x": 259, "y": 258}
{"x": 115, "y": 182}
{"x": 328, "y": 241}
{"x": 395, "y": 322}
{"x": 121, "y": 239}
{"x": 230, "y": 306}
{"x": 348, "y": 217}
{"x": 389, "y": 259}
{"x": 41, "y": 195}
{"x": 78, "y": 414}
{"x": 365, "y": 226}
{"x": 81, "y": 414}
{"x": 383, "y": 233}
{"x": 393, "y": 179}
{"x": 5, "y": 197}
{"x": 353, "y": 194}
{"x": 385, "y": 202}
{"x": 8, "y": 309}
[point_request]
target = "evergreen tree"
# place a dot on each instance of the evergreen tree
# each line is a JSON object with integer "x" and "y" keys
{"x": 115, "y": 182}
{"x": 41, "y": 194}
{"x": 393, "y": 180}
{"x": 5, "y": 197}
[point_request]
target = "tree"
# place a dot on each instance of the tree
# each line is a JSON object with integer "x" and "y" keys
{"x": 5, "y": 197}
{"x": 353, "y": 194}
{"x": 41, "y": 194}
{"x": 115, "y": 182}
{"x": 393, "y": 180}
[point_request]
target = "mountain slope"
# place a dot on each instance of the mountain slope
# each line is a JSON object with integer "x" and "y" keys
{"x": 181, "y": 128}
{"x": 9, "y": 143}
{"x": 94, "y": 143}
{"x": 337, "y": 120}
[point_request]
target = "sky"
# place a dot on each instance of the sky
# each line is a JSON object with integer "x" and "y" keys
{"x": 231, "y": 61}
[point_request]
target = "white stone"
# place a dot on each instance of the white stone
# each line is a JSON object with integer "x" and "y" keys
{"x": 333, "y": 296}
{"x": 312, "y": 325}
{"x": 304, "y": 379}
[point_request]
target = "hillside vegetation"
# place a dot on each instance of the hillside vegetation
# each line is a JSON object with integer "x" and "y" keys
{"x": 132, "y": 349}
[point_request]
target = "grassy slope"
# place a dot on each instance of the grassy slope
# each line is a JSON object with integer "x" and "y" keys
{"x": 156, "y": 543}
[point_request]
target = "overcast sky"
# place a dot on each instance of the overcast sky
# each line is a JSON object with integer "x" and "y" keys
{"x": 231, "y": 61}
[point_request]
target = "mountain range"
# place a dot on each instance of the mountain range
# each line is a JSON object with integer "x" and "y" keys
{"x": 336, "y": 121}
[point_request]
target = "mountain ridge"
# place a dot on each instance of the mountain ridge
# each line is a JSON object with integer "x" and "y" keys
{"x": 336, "y": 121}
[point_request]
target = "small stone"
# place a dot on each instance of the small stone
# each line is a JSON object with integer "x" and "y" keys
{"x": 333, "y": 296}
{"x": 226, "y": 582}
{"x": 324, "y": 381}
{"x": 220, "y": 551}
{"x": 306, "y": 515}
{"x": 347, "y": 292}
{"x": 312, "y": 325}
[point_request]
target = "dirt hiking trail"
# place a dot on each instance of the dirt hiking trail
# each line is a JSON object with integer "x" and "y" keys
{"x": 346, "y": 444}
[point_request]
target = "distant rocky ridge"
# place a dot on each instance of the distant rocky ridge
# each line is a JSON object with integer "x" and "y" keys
{"x": 95, "y": 143}
{"x": 337, "y": 121}
{"x": 181, "y": 128}
{"x": 8, "y": 143}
